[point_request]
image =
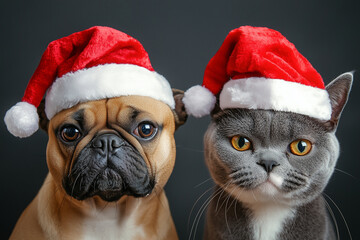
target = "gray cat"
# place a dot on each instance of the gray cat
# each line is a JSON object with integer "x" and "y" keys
{"x": 270, "y": 168}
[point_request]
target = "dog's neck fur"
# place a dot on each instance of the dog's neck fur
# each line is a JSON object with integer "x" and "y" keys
{"x": 96, "y": 219}
{"x": 228, "y": 218}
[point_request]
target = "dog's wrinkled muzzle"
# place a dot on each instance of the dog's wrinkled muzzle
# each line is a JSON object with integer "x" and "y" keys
{"x": 110, "y": 167}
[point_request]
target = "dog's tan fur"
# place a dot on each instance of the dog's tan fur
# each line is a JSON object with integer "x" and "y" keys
{"x": 53, "y": 214}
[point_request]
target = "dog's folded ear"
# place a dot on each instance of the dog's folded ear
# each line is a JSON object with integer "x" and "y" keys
{"x": 179, "y": 111}
{"x": 43, "y": 120}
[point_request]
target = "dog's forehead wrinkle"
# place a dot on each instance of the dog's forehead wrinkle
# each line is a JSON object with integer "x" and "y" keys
{"x": 134, "y": 113}
{"x": 79, "y": 117}
{"x": 130, "y": 113}
{"x": 107, "y": 113}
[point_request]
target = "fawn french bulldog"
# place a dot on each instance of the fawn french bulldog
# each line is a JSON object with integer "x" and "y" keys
{"x": 110, "y": 119}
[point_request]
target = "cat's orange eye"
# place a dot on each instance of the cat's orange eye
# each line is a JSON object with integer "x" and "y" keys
{"x": 300, "y": 147}
{"x": 240, "y": 143}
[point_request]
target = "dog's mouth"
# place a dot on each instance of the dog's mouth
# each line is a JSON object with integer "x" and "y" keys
{"x": 109, "y": 185}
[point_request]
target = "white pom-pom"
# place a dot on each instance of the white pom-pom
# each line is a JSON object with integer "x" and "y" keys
{"x": 198, "y": 101}
{"x": 22, "y": 120}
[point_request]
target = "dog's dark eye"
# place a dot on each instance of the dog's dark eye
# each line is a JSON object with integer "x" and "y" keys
{"x": 145, "y": 130}
{"x": 70, "y": 134}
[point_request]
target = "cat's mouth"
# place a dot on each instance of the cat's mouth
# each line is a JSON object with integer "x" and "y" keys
{"x": 275, "y": 180}
{"x": 272, "y": 185}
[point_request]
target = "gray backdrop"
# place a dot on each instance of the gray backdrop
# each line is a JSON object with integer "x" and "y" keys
{"x": 180, "y": 38}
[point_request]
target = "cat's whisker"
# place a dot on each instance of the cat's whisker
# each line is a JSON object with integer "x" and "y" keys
{"x": 194, "y": 222}
{"x": 227, "y": 209}
{"x": 235, "y": 206}
{"x": 217, "y": 203}
{"x": 201, "y": 211}
{"x": 192, "y": 209}
{"x": 346, "y": 173}
{"x": 342, "y": 215}
{"x": 333, "y": 218}
{"x": 209, "y": 179}
{"x": 223, "y": 190}
{"x": 238, "y": 193}
{"x": 252, "y": 192}
{"x": 226, "y": 197}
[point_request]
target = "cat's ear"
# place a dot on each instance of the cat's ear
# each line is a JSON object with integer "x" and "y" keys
{"x": 338, "y": 90}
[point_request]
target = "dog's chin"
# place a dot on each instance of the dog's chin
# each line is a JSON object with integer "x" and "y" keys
{"x": 110, "y": 196}
{"x": 106, "y": 195}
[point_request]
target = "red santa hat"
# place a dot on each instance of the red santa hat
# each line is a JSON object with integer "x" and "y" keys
{"x": 93, "y": 64}
{"x": 258, "y": 68}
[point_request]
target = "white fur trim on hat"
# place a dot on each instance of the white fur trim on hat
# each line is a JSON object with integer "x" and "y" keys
{"x": 106, "y": 81}
{"x": 22, "y": 120}
{"x": 276, "y": 94}
{"x": 198, "y": 101}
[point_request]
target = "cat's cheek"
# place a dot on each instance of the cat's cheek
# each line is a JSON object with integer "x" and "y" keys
{"x": 217, "y": 169}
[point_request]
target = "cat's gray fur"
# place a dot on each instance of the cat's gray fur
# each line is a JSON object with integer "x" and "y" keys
{"x": 297, "y": 210}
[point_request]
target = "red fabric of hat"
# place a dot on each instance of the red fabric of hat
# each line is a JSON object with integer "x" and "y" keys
{"x": 85, "y": 49}
{"x": 258, "y": 52}
{"x": 93, "y": 64}
{"x": 258, "y": 68}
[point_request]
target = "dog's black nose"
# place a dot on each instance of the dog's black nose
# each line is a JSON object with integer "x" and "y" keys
{"x": 268, "y": 165}
{"x": 107, "y": 143}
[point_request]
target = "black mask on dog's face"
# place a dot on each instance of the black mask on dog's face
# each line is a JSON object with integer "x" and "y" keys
{"x": 111, "y": 148}
{"x": 110, "y": 167}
